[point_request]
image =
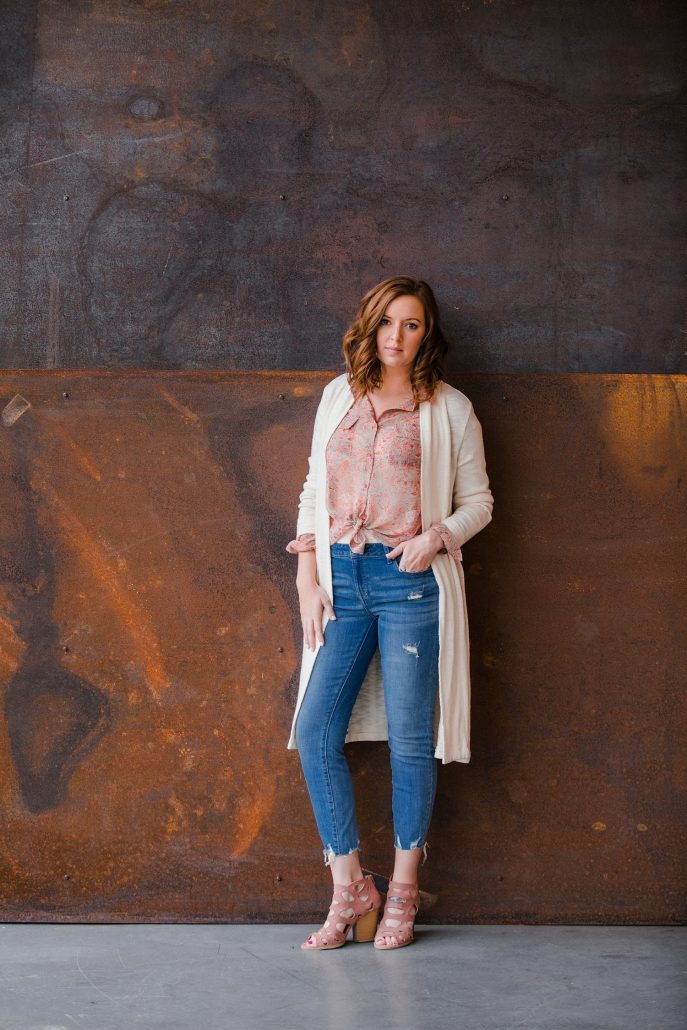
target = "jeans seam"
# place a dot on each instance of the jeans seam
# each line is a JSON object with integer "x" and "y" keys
{"x": 430, "y": 794}
{"x": 430, "y": 802}
{"x": 331, "y": 797}
{"x": 356, "y": 576}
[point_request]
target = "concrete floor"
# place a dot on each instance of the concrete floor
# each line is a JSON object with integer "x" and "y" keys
{"x": 218, "y": 977}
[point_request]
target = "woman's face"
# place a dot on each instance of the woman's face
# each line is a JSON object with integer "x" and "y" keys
{"x": 400, "y": 333}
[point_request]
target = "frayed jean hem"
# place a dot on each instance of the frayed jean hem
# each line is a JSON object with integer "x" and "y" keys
{"x": 330, "y": 855}
{"x": 414, "y": 844}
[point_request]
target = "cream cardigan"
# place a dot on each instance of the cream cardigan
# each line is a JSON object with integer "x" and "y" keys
{"x": 454, "y": 489}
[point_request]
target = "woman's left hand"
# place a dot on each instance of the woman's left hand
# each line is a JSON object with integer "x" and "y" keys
{"x": 418, "y": 552}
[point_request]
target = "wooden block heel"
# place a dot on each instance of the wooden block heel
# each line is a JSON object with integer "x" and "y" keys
{"x": 366, "y": 927}
{"x": 356, "y": 905}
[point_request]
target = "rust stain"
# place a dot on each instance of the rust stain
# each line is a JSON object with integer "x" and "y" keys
{"x": 251, "y": 818}
{"x": 644, "y": 426}
{"x": 10, "y": 663}
{"x": 183, "y": 409}
{"x": 12, "y": 647}
{"x": 81, "y": 457}
{"x": 132, "y": 615}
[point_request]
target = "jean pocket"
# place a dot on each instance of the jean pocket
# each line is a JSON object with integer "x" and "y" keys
{"x": 408, "y": 572}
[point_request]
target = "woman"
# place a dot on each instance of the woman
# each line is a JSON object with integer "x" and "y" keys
{"x": 396, "y": 484}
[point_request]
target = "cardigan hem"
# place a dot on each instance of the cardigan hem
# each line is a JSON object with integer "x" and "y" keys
{"x": 464, "y": 756}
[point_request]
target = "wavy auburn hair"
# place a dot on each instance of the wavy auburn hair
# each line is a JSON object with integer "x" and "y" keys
{"x": 360, "y": 339}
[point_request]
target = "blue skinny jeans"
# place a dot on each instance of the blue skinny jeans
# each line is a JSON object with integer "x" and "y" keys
{"x": 376, "y": 604}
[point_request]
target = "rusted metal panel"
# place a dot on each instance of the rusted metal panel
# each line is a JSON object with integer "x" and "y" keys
{"x": 203, "y": 185}
{"x": 150, "y": 643}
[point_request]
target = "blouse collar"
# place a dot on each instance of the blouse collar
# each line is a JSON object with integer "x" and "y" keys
{"x": 364, "y": 406}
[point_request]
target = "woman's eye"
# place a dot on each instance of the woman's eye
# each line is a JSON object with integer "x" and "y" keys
{"x": 411, "y": 325}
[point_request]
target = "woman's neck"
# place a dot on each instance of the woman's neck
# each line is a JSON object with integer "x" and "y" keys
{"x": 395, "y": 385}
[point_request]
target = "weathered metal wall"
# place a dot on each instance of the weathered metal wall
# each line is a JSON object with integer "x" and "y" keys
{"x": 206, "y": 185}
{"x": 150, "y": 642}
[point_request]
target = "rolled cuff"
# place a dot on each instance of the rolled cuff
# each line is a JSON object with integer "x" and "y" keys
{"x": 450, "y": 544}
{"x": 303, "y": 542}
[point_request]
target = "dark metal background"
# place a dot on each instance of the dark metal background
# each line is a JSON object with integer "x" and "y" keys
{"x": 208, "y": 185}
{"x": 150, "y": 643}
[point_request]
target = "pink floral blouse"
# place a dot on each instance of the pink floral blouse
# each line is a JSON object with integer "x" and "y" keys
{"x": 373, "y": 480}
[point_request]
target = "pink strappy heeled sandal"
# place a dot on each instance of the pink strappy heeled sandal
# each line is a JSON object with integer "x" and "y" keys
{"x": 396, "y": 928}
{"x": 354, "y": 905}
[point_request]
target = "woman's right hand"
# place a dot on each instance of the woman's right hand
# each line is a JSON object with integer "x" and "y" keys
{"x": 313, "y": 602}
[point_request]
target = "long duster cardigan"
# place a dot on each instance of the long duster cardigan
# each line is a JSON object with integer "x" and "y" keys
{"x": 454, "y": 489}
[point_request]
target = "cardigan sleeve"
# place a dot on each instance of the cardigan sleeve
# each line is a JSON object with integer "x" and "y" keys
{"x": 472, "y": 499}
{"x": 305, "y": 523}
